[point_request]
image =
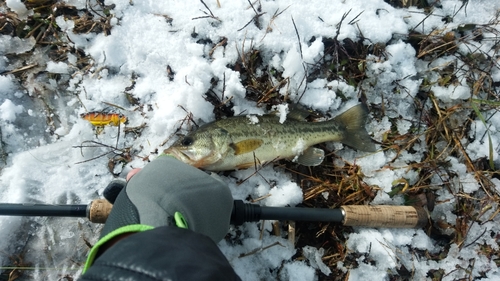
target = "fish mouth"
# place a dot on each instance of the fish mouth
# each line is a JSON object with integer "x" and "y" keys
{"x": 179, "y": 154}
{"x": 186, "y": 157}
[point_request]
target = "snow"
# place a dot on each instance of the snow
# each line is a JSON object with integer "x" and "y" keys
{"x": 299, "y": 146}
{"x": 57, "y": 67}
{"x": 480, "y": 147}
{"x": 321, "y": 94}
{"x": 9, "y": 45}
{"x": 8, "y": 110}
{"x": 42, "y": 161}
{"x": 252, "y": 119}
{"x": 282, "y": 111}
{"x": 314, "y": 256}
{"x": 18, "y": 7}
{"x": 457, "y": 92}
{"x": 297, "y": 271}
{"x": 287, "y": 193}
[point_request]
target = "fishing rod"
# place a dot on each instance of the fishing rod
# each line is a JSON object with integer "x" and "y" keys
{"x": 351, "y": 215}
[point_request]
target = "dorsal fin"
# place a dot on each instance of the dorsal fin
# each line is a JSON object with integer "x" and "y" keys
{"x": 298, "y": 112}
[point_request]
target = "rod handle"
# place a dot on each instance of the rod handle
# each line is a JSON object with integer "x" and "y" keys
{"x": 384, "y": 216}
{"x": 354, "y": 215}
{"x": 98, "y": 210}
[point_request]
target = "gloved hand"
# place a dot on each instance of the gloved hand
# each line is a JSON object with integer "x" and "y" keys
{"x": 169, "y": 192}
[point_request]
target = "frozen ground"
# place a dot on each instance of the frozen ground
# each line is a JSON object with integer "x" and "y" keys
{"x": 41, "y": 128}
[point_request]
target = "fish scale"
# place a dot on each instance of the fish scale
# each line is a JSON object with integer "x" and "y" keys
{"x": 237, "y": 142}
{"x": 314, "y": 132}
{"x": 279, "y": 140}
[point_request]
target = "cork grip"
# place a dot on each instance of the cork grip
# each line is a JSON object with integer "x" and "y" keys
{"x": 98, "y": 210}
{"x": 384, "y": 216}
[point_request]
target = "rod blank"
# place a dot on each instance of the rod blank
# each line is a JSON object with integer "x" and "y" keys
{"x": 244, "y": 212}
{"x": 370, "y": 216}
{"x": 48, "y": 210}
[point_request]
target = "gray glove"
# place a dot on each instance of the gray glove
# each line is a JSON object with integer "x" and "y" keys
{"x": 168, "y": 192}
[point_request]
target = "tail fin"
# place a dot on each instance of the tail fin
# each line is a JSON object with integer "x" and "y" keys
{"x": 355, "y": 135}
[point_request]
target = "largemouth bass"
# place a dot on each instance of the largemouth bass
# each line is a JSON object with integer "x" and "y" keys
{"x": 241, "y": 142}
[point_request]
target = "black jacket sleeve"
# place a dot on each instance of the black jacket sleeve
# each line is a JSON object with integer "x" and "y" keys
{"x": 164, "y": 253}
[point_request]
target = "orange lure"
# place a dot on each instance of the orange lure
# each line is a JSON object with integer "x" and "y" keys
{"x": 100, "y": 119}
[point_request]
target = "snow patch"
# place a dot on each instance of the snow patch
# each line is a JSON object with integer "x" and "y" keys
{"x": 8, "y": 110}
{"x": 314, "y": 256}
{"x": 253, "y": 119}
{"x": 15, "y": 45}
{"x": 57, "y": 67}
{"x": 19, "y": 8}
{"x": 281, "y": 111}
{"x": 299, "y": 147}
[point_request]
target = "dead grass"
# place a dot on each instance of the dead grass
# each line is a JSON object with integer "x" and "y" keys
{"x": 15, "y": 269}
{"x": 260, "y": 88}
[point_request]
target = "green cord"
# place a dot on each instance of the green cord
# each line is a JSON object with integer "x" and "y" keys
{"x": 180, "y": 221}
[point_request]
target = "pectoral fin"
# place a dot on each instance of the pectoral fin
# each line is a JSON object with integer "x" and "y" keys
{"x": 246, "y": 146}
{"x": 311, "y": 157}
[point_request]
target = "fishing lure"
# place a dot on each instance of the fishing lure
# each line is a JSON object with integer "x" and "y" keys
{"x": 100, "y": 119}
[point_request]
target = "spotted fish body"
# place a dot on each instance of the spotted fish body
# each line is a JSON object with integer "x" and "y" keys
{"x": 241, "y": 142}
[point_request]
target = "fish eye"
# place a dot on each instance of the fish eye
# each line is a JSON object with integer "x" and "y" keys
{"x": 187, "y": 141}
